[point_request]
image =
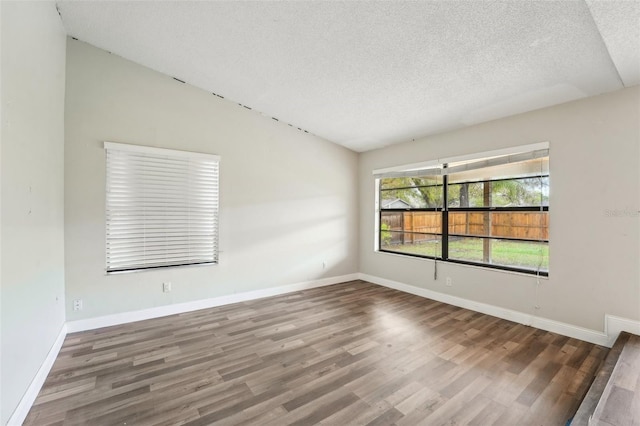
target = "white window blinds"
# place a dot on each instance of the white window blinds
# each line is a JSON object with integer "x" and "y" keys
{"x": 161, "y": 208}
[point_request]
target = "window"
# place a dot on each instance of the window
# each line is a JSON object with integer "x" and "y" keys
{"x": 490, "y": 211}
{"x": 161, "y": 208}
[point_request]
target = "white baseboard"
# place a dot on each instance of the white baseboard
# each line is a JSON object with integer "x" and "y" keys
{"x": 569, "y": 330}
{"x": 178, "y": 308}
{"x": 21, "y": 411}
{"x": 614, "y": 325}
{"x": 558, "y": 327}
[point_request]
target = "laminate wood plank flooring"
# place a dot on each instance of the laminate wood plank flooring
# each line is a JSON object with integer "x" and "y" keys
{"x": 347, "y": 354}
{"x": 620, "y": 401}
{"x": 594, "y": 394}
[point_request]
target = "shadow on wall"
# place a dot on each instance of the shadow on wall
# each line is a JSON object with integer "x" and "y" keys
{"x": 301, "y": 239}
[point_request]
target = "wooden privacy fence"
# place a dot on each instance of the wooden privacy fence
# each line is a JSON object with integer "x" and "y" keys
{"x": 408, "y": 226}
{"x": 412, "y": 227}
{"x": 524, "y": 225}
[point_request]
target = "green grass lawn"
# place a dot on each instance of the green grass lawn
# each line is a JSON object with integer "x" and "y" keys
{"x": 507, "y": 253}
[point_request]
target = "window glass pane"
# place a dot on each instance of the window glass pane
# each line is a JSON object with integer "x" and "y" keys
{"x": 524, "y": 192}
{"x": 469, "y": 223}
{"x": 518, "y": 254}
{"x": 408, "y": 182}
{"x": 465, "y": 248}
{"x": 401, "y": 199}
{"x": 424, "y": 222}
{"x": 427, "y": 222}
{"x": 538, "y": 166}
{"x": 520, "y": 192}
{"x": 411, "y": 198}
{"x": 467, "y": 195}
{"x": 430, "y": 222}
{"x": 411, "y": 232}
{"x": 411, "y": 242}
{"x": 525, "y": 225}
{"x": 391, "y": 221}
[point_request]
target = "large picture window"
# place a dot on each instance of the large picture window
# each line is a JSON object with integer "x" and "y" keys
{"x": 490, "y": 211}
{"x": 161, "y": 208}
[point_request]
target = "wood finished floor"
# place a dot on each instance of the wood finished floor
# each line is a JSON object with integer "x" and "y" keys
{"x": 620, "y": 401}
{"x": 348, "y": 354}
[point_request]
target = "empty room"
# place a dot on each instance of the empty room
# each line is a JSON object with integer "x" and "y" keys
{"x": 320, "y": 212}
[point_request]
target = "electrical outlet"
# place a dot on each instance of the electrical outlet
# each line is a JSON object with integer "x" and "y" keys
{"x": 166, "y": 287}
{"x": 448, "y": 283}
{"x": 77, "y": 305}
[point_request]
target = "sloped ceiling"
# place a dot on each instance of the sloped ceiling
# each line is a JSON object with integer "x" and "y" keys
{"x": 370, "y": 74}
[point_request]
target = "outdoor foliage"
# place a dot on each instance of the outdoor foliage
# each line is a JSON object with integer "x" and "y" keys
{"x": 413, "y": 191}
{"x": 385, "y": 235}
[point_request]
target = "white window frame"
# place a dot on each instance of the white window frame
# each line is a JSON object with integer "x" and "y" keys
{"x": 161, "y": 208}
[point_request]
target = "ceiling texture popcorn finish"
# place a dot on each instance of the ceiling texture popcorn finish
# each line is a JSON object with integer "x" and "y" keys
{"x": 370, "y": 74}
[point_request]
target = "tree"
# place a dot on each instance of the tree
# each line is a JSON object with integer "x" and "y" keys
{"x": 417, "y": 192}
{"x": 464, "y": 195}
{"x": 519, "y": 192}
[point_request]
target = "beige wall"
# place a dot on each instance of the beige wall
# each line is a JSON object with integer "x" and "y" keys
{"x": 594, "y": 200}
{"x": 288, "y": 199}
{"x": 32, "y": 264}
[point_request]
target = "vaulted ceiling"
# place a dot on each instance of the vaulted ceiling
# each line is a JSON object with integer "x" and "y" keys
{"x": 370, "y": 74}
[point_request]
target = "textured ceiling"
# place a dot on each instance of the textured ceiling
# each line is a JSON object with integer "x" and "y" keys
{"x": 370, "y": 74}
